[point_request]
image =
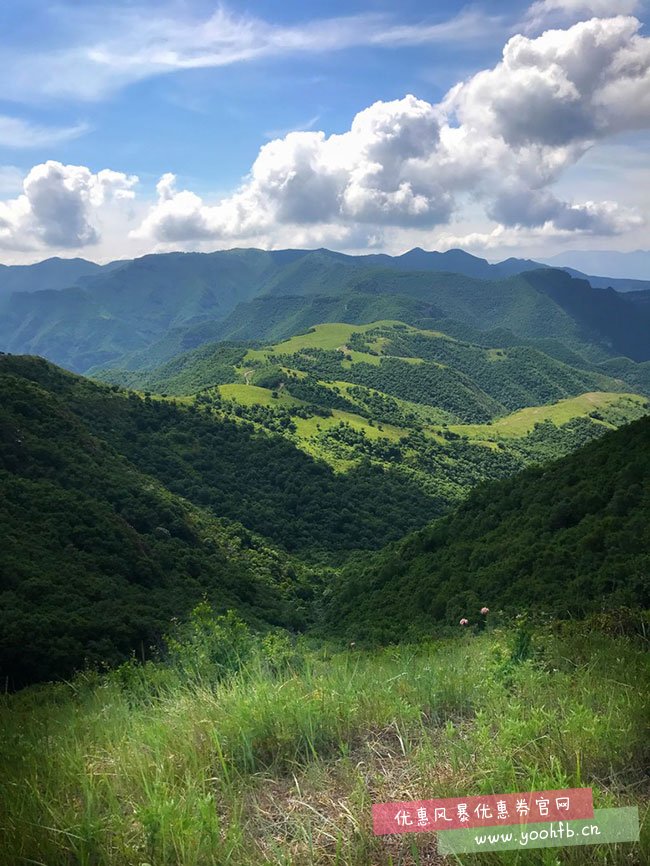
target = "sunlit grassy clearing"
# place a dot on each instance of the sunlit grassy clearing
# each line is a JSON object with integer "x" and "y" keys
{"x": 250, "y": 395}
{"x": 171, "y": 767}
{"x": 332, "y": 336}
{"x": 522, "y": 422}
{"x": 308, "y": 428}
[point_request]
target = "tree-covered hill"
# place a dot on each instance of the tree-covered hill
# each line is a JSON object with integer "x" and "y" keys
{"x": 565, "y": 538}
{"x": 96, "y": 556}
{"x": 539, "y": 307}
{"x": 119, "y": 511}
{"x": 511, "y": 376}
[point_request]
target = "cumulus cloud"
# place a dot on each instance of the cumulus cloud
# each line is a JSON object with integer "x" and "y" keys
{"x": 59, "y": 206}
{"x": 503, "y": 137}
{"x": 372, "y": 174}
{"x": 501, "y": 140}
{"x": 566, "y": 87}
{"x": 523, "y": 208}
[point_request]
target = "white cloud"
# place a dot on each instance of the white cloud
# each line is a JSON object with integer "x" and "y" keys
{"x": 18, "y": 133}
{"x": 110, "y": 47}
{"x": 371, "y": 174}
{"x": 521, "y": 207}
{"x": 504, "y": 136}
{"x": 552, "y": 13}
{"x": 59, "y": 206}
{"x": 564, "y": 88}
{"x": 502, "y": 141}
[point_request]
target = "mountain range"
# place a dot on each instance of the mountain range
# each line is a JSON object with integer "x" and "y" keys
{"x": 255, "y": 427}
{"x": 119, "y": 315}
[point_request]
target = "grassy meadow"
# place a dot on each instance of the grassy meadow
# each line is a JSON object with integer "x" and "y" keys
{"x": 244, "y": 750}
{"x": 523, "y": 421}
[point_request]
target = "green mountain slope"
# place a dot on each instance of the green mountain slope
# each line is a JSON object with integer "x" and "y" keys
{"x": 237, "y": 469}
{"x": 96, "y": 556}
{"x": 131, "y": 306}
{"x": 537, "y": 304}
{"x": 534, "y": 307}
{"x": 512, "y": 375}
{"x": 564, "y": 538}
{"x": 54, "y": 273}
{"x": 120, "y": 511}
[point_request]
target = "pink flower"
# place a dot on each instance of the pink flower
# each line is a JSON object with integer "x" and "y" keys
{"x": 485, "y": 610}
{"x": 464, "y": 621}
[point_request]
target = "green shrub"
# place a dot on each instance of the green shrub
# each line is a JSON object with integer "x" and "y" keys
{"x": 208, "y": 646}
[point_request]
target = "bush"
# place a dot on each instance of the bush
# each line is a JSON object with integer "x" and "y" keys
{"x": 209, "y": 646}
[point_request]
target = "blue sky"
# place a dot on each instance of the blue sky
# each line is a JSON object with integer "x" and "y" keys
{"x": 104, "y": 102}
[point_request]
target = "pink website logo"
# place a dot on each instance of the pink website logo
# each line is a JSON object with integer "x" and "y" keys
{"x": 489, "y": 810}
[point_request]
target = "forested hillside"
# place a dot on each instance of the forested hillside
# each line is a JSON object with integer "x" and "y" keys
{"x": 567, "y": 539}
{"x": 96, "y": 556}
{"x": 120, "y": 509}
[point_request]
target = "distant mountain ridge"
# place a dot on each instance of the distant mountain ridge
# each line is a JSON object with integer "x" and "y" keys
{"x": 634, "y": 265}
{"x": 127, "y": 307}
{"x": 59, "y": 273}
{"x": 55, "y": 273}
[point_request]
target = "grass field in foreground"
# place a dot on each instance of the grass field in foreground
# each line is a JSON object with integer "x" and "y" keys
{"x": 280, "y": 761}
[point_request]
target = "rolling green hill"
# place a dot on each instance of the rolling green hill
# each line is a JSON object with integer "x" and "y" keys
{"x": 565, "y": 538}
{"x": 443, "y": 412}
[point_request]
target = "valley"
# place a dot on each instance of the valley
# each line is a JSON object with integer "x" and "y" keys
{"x": 241, "y": 499}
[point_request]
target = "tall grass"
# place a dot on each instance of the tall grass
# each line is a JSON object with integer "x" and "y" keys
{"x": 273, "y": 754}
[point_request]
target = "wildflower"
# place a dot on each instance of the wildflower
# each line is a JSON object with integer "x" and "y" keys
{"x": 485, "y": 610}
{"x": 464, "y": 621}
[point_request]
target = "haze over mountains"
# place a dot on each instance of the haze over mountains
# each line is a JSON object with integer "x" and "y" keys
{"x": 628, "y": 266}
{"x": 621, "y": 271}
